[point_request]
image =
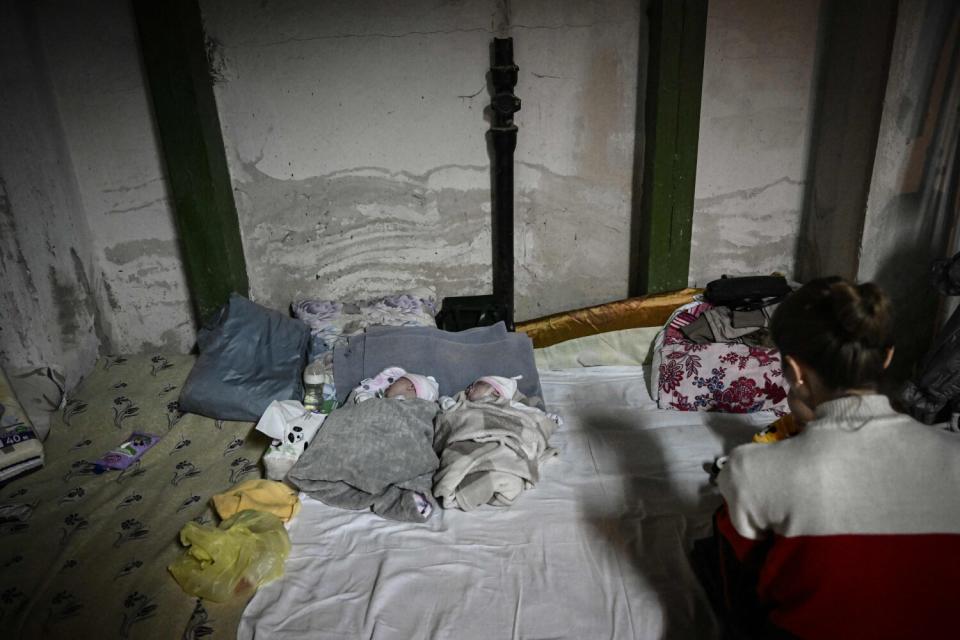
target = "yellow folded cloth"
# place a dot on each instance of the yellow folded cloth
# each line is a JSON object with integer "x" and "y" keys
{"x": 260, "y": 495}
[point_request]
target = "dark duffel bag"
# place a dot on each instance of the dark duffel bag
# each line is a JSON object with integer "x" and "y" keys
{"x": 746, "y": 293}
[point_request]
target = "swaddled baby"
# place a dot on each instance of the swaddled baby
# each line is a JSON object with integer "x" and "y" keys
{"x": 376, "y": 455}
{"x": 491, "y": 445}
{"x": 491, "y": 388}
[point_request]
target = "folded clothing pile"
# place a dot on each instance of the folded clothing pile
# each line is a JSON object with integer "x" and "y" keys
{"x": 455, "y": 359}
{"x": 332, "y": 320}
{"x": 20, "y": 447}
{"x": 723, "y": 324}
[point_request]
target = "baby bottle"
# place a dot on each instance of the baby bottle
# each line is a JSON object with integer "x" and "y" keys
{"x": 313, "y": 379}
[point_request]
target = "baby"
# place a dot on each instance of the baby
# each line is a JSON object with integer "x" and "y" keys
{"x": 496, "y": 390}
{"x": 397, "y": 384}
{"x": 492, "y": 387}
{"x": 491, "y": 444}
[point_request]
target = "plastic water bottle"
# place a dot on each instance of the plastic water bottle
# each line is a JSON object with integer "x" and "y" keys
{"x": 328, "y": 396}
{"x": 319, "y": 394}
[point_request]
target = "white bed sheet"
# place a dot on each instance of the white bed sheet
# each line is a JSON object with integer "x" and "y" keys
{"x": 598, "y": 549}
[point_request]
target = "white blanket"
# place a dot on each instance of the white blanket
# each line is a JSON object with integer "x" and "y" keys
{"x": 598, "y": 549}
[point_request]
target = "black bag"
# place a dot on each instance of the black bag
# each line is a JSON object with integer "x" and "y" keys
{"x": 746, "y": 293}
{"x": 934, "y": 393}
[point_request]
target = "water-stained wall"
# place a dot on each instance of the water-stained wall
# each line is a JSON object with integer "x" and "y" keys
{"x": 88, "y": 249}
{"x": 95, "y": 69}
{"x": 355, "y": 134}
{"x": 48, "y": 313}
{"x": 755, "y": 121}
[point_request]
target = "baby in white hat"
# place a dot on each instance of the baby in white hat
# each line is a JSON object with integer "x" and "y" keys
{"x": 396, "y": 383}
{"x": 492, "y": 387}
{"x": 498, "y": 390}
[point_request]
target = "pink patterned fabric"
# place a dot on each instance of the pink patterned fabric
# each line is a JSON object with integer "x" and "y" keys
{"x": 728, "y": 377}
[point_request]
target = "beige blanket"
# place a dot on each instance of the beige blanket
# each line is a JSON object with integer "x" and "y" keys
{"x": 490, "y": 451}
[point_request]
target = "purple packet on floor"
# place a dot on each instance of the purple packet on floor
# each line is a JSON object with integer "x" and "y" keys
{"x": 128, "y": 452}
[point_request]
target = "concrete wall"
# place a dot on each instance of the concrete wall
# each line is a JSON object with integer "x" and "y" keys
{"x": 94, "y": 66}
{"x": 48, "y": 313}
{"x": 88, "y": 248}
{"x": 912, "y": 208}
{"x": 755, "y": 122}
{"x": 355, "y": 136}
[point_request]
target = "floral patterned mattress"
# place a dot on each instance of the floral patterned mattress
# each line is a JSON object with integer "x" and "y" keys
{"x": 84, "y": 554}
{"x": 727, "y": 377}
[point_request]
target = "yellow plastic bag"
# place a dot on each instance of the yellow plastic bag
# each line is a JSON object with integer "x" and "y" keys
{"x": 244, "y": 552}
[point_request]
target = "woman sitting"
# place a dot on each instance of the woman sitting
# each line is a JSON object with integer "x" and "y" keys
{"x": 851, "y": 529}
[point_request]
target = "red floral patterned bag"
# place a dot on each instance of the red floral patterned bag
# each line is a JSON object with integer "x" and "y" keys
{"x": 728, "y": 377}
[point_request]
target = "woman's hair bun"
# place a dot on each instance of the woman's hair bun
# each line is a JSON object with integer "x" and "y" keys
{"x": 861, "y": 312}
{"x": 842, "y": 330}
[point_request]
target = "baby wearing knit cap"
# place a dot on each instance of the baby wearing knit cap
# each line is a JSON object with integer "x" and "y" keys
{"x": 496, "y": 390}
{"x": 396, "y": 383}
{"x": 492, "y": 387}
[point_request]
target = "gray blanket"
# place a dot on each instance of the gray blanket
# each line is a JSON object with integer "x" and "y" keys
{"x": 374, "y": 455}
{"x": 455, "y": 359}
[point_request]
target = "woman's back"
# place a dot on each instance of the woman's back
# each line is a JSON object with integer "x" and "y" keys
{"x": 858, "y": 519}
{"x": 852, "y": 528}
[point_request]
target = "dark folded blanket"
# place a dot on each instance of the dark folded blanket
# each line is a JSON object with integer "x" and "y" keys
{"x": 376, "y": 454}
{"x": 455, "y": 359}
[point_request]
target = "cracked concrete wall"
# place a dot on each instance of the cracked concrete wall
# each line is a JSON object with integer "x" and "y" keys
{"x": 104, "y": 104}
{"x": 755, "y": 121}
{"x": 914, "y": 199}
{"x": 355, "y": 137}
{"x": 48, "y": 313}
{"x": 88, "y": 247}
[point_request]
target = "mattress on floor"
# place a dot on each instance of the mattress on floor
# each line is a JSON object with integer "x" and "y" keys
{"x": 85, "y": 554}
{"x": 598, "y": 549}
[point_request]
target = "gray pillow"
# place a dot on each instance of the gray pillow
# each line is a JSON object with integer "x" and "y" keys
{"x": 249, "y": 357}
{"x": 455, "y": 359}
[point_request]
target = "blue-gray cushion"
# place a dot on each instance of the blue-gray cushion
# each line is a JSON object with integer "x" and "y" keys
{"x": 249, "y": 357}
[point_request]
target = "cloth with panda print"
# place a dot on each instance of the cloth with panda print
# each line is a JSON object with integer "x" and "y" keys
{"x": 292, "y": 428}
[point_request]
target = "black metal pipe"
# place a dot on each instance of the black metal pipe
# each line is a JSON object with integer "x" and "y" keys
{"x": 464, "y": 312}
{"x": 503, "y": 139}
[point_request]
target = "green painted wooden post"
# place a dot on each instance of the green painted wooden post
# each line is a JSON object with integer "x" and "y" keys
{"x": 674, "y": 80}
{"x": 173, "y": 48}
